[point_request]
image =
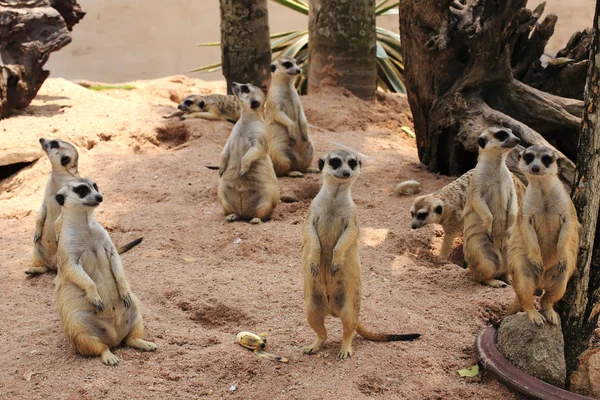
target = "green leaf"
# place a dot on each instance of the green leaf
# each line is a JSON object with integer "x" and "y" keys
{"x": 408, "y": 132}
{"x": 381, "y": 51}
{"x": 295, "y": 5}
{"x": 469, "y": 372}
{"x": 110, "y": 87}
{"x": 208, "y": 44}
{"x": 207, "y": 68}
{"x": 296, "y": 47}
{"x": 382, "y": 10}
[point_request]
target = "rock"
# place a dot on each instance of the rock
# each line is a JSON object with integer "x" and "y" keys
{"x": 586, "y": 379}
{"x": 537, "y": 350}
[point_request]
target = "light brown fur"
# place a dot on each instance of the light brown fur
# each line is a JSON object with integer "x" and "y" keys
{"x": 544, "y": 242}
{"x": 491, "y": 209}
{"x": 451, "y": 200}
{"x": 212, "y": 106}
{"x": 290, "y": 146}
{"x": 331, "y": 258}
{"x": 64, "y": 161}
{"x": 97, "y": 309}
{"x": 248, "y": 185}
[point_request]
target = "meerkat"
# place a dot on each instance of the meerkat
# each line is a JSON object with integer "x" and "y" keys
{"x": 407, "y": 188}
{"x": 64, "y": 160}
{"x": 491, "y": 208}
{"x": 290, "y": 146}
{"x": 544, "y": 242}
{"x": 248, "y": 186}
{"x": 331, "y": 256}
{"x": 446, "y": 206}
{"x": 97, "y": 309}
{"x": 212, "y": 106}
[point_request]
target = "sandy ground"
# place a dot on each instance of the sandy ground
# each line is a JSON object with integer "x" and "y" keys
{"x": 199, "y": 287}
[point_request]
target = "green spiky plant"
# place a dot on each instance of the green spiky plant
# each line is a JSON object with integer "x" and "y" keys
{"x": 390, "y": 64}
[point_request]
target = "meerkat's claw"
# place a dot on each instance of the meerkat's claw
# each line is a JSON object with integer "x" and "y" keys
{"x": 314, "y": 347}
{"x": 495, "y": 283}
{"x": 295, "y": 174}
{"x": 243, "y": 173}
{"x": 255, "y": 221}
{"x": 344, "y": 354}
{"x": 536, "y": 318}
{"x": 314, "y": 268}
{"x": 562, "y": 266}
{"x": 97, "y": 301}
{"x": 551, "y": 316}
{"x": 37, "y": 237}
{"x": 109, "y": 358}
{"x": 127, "y": 299}
{"x": 231, "y": 218}
{"x": 335, "y": 268}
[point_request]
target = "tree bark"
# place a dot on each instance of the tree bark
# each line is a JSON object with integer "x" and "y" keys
{"x": 245, "y": 43}
{"x": 580, "y": 305}
{"x": 342, "y": 45}
{"x": 461, "y": 66}
{"x": 29, "y": 31}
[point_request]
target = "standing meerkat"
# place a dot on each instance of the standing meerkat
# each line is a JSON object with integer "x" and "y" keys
{"x": 491, "y": 208}
{"x": 290, "y": 147}
{"x": 544, "y": 242}
{"x": 212, "y": 106}
{"x": 446, "y": 206}
{"x": 248, "y": 185}
{"x": 64, "y": 160}
{"x": 97, "y": 309}
{"x": 331, "y": 257}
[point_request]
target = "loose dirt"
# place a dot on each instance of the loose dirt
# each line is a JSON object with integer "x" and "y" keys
{"x": 200, "y": 285}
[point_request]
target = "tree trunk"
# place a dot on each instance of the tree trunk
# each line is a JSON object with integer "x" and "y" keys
{"x": 461, "y": 62}
{"x": 245, "y": 43}
{"x": 29, "y": 31}
{"x": 342, "y": 45}
{"x": 580, "y": 305}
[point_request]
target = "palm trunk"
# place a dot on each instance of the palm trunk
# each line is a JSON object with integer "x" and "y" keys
{"x": 342, "y": 45}
{"x": 245, "y": 44}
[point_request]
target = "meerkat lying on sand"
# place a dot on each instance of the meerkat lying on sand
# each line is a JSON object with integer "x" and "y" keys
{"x": 97, "y": 309}
{"x": 543, "y": 244}
{"x": 446, "y": 206}
{"x": 212, "y": 106}
{"x": 491, "y": 208}
{"x": 331, "y": 256}
{"x": 290, "y": 147}
{"x": 248, "y": 185}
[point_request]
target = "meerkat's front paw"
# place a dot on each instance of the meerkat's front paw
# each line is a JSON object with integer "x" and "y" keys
{"x": 344, "y": 353}
{"x": 126, "y": 297}
{"x": 243, "y": 172}
{"x": 37, "y": 237}
{"x": 335, "y": 267}
{"x": 562, "y": 266}
{"x": 109, "y": 358}
{"x": 535, "y": 317}
{"x": 231, "y": 218}
{"x": 536, "y": 263}
{"x": 96, "y": 301}
{"x": 256, "y": 221}
{"x": 221, "y": 172}
{"x": 314, "y": 268}
{"x": 551, "y": 316}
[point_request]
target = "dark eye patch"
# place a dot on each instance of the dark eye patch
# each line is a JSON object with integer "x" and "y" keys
{"x": 188, "y": 102}
{"x": 352, "y": 164}
{"x": 82, "y": 191}
{"x": 201, "y": 105}
{"x": 412, "y": 214}
{"x": 244, "y": 89}
{"x": 501, "y": 135}
{"x": 422, "y": 216}
{"x": 528, "y": 157}
{"x": 54, "y": 144}
{"x": 287, "y": 64}
{"x": 547, "y": 160}
{"x": 95, "y": 187}
{"x": 335, "y": 163}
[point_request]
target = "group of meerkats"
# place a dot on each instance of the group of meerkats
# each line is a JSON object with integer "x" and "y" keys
{"x": 525, "y": 236}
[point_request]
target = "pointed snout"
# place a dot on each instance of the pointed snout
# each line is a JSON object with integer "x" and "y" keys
{"x": 414, "y": 226}
{"x": 42, "y": 141}
{"x": 99, "y": 198}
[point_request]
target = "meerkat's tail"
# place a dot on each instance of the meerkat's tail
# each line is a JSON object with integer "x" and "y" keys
{"x": 129, "y": 246}
{"x": 380, "y": 337}
{"x": 213, "y": 167}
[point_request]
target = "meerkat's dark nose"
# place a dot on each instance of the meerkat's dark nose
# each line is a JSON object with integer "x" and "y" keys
{"x": 414, "y": 226}
{"x": 42, "y": 140}
{"x": 346, "y": 174}
{"x": 99, "y": 198}
{"x": 535, "y": 169}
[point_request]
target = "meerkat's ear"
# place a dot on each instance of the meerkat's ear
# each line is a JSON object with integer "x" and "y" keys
{"x": 321, "y": 164}
{"x": 273, "y": 67}
{"x": 254, "y": 104}
{"x": 201, "y": 104}
{"x": 61, "y": 195}
{"x": 559, "y": 162}
{"x": 65, "y": 160}
{"x": 439, "y": 210}
{"x": 360, "y": 163}
{"x": 482, "y": 142}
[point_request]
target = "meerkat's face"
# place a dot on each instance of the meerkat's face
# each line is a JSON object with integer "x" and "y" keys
{"x": 192, "y": 103}
{"x": 249, "y": 95}
{"x": 80, "y": 193}
{"x": 339, "y": 166}
{"x": 61, "y": 154}
{"x": 537, "y": 161}
{"x": 500, "y": 140}
{"x": 285, "y": 66}
{"x": 426, "y": 210}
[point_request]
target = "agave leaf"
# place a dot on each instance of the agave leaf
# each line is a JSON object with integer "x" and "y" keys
{"x": 296, "y": 47}
{"x": 388, "y": 33}
{"x": 296, "y": 5}
{"x": 293, "y": 35}
{"x": 393, "y": 11}
{"x": 391, "y": 51}
{"x": 280, "y": 34}
{"x": 380, "y": 5}
{"x": 207, "y": 68}
{"x": 392, "y": 75}
{"x": 208, "y": 44}
{"x": 380, "y": 10}
{"x": 381, "y": 51}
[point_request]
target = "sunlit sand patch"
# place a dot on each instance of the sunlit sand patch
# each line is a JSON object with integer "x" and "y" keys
{"x": 373, "y": 237}
{"x": 401, "y": 261}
